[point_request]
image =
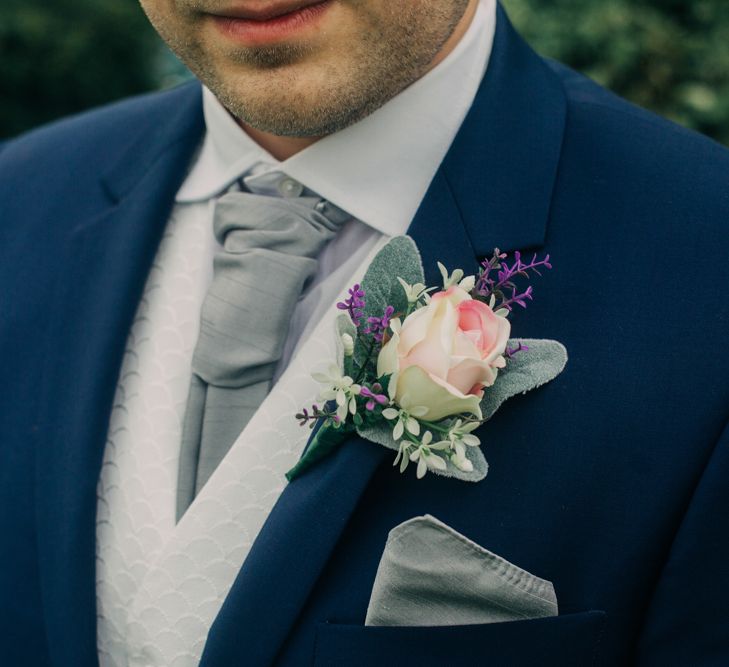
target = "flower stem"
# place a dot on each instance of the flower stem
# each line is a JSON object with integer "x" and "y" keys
{"x": 363, "y": 367}
{"x": 434, "y": 427}
{"x": 446, "y": 429}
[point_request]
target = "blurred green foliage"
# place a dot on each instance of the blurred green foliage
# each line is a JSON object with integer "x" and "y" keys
{"x": 62, "y": 56}
{"x": 671, "y": 56}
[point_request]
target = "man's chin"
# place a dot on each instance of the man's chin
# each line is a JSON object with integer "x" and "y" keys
{"x": 284, "y": 101}
{"x": 307, "y": 123}
{"x": 273, "y": 57}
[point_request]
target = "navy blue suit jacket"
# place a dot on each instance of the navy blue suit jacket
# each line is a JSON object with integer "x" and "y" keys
{"x": 610, "y": 481}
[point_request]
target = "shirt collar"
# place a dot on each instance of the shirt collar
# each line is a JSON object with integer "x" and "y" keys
{"x": 378, "y": 169}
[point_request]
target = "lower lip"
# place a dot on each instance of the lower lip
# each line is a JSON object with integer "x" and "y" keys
{"x": 276, "y": 29}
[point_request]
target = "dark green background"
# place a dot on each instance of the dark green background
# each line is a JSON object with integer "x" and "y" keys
{"x": 672, "y": 56}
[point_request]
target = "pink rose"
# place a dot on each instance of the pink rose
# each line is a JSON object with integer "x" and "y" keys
{"x": 445, "y": 354}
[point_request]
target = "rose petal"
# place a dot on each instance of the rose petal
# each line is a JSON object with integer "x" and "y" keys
{"x": 433, "y": 351}
{"x": 414, "y": 329}
{"x": 469, "y": 373}
{"x": 467, "y": 344}
{"x": 429, "y": 356}
{"x": 440, "y": 399}
{"x": 469, "y": 316}
{"x": 387, "y": 359}
{"x": 454, "y": 294}
{"x": 476, "y": 315}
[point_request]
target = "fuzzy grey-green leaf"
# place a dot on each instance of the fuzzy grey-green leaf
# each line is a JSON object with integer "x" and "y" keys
{"x": 543, "y": 361}
{"x": 399, "y": 258}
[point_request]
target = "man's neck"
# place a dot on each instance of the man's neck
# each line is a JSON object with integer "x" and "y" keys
{"x": 284, "y": 147}
{"x": 280, "y": 147}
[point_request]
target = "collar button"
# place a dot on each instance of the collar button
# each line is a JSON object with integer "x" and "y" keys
{"x": 288, "y": 187}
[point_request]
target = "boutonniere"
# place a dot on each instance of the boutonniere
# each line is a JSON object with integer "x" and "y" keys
{"x": 419, "y": 369}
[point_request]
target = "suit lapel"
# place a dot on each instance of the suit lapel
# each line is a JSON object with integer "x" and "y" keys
{"x": 493, "y": 189}
{"x": 107, "y": 261}
{"x": 503, "y": 163}
{"x": 295, "y": 542}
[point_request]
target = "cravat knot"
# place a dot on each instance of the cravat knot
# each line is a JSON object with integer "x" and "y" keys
{"x": 269, "y": 249}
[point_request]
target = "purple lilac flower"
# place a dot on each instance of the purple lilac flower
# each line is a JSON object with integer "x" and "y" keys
{"x": 374, "y": 395}
{"x": 507, "y": 272}
{"x": 486, "y": 286}
{"x": 378, "y": 325}
{"x": 355, "y": 304}
{"x": 519, "y": 299}
{"x": 306, "y": 416}
{"x": 509, "y": 352}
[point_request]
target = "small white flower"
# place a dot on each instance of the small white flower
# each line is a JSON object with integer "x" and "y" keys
{"x": 456, "y": 278}
{"x": 462, "y": 463}
{"x": 459, "y": 437}
{"x": 406, "y": 416}
{"x": 348, "y": 345}
{"x": 403, "y": 455}
{"x": 460, "y": 432}
{"x": 468, "y": 283}
{"x": 333, "y": 377}
{"x": 413, "y": 292}
{"x": 452, "y": 279}
{"x": 339, "y": 388}
{"x": 425, "y": 456}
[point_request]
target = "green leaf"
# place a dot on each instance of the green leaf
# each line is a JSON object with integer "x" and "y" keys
{"x": 543, "y": 361}
{"x": 400, "y": 257}
{"x": 324, "y": 442}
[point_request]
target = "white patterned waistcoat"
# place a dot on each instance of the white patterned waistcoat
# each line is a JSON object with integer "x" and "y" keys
{"x": 160, "y": 585}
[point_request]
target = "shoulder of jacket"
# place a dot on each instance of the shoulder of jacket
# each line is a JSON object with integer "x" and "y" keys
{"x": 104, "y": 130}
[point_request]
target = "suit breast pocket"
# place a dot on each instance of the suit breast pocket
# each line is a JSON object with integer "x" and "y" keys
{"x": 571, "y": 640}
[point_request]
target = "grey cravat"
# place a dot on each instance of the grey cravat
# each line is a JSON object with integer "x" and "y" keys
{"x": 269, "y": 252}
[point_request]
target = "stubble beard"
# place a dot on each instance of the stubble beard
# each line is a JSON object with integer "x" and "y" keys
{"x": 384, "y": 60}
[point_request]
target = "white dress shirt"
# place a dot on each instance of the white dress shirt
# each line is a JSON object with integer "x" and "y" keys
{"x": 378, "y": 170}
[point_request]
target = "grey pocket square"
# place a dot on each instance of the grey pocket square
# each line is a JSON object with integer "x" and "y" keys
{"x": 431, "y": 575}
